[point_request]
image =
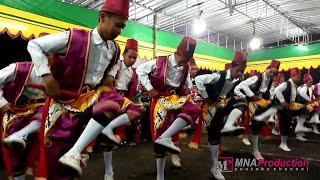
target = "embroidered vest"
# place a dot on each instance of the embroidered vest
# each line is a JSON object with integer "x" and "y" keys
{"x": 70, "y": 70}
{"x": 13, "y": 90}
{"x": 158, "y": 77}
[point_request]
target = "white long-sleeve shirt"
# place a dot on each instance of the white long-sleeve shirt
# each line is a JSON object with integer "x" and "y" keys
{"x": 173, "y": 74}
{"x": 245, "y": 86}
{"x": 7, "y": 75}
{"x": 316, "y": 90}
{"x": 100, "y": 54}
{"x": 204, "y": 79}
{"x": 124, "y": 77}
{"x": 272, "y": 92}
{"x": 282, "y": 87}
{"x": 302, "y": 90}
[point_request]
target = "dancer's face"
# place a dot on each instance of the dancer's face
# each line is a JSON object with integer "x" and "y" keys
{"x": 110, "y": 25}
{"x": 296, "y": 79}
{"x": 130, "y": 57}
{"x": 180, "y": 59}
{"x": 237, "y": 72}
{"x": 271, "y": 72}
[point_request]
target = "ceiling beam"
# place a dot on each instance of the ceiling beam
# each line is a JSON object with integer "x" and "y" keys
{"x": 277, "y": 9}
{"x": 251, "y": 18}
{"x": 160, "y": 9}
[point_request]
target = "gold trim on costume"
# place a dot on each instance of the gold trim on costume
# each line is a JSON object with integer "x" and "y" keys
{"x": 208, "y": 112}
{"x": 165, "y": 104}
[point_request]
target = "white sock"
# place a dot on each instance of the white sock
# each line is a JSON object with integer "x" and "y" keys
{"x": 299, "y": 134}
{"x": 175, "y": 156}
{"x": 32, "y": 127}
{"x": 272, "y": 117}
{"x": 92, "y": 130}
{"x": 117, "y": 122}
{"x": 284, "y": 140}
{"x": 316, "y": 117}
{"x": 175, "y": 127}
{"x": 233, "y": 117}
{"x": 214, "y": 150}
{"x": 22, "y": 177}
{"x": 107, "y": 156}
{"x": 161, "y": 164}
{"x": 301, "y": 121}
{"x": 267, "y": 113}
{"x": 255, "y": 141}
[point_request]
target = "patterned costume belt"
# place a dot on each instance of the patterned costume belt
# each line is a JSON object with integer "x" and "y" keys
{"x": 221, "y": 102}
{"x": 309, "y": 106}
{"x": 262, "y": 102}
{"x": 253, "y": 105}
{"x": 170, "y": 91}
{"x": 86, "y": 88}
{"x": 25, "y": 100}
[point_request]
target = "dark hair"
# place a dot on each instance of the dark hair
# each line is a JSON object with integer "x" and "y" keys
{"x": 125, "y": 50}
{"x": 108, "y": 14}
{"x": 233, "y": 65}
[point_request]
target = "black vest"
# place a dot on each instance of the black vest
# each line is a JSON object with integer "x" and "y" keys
{"x": 301, "y": 99}
{"x": 287, "y": 93}
{"x": 214, "y": 89}
{"x": 257, "y": 86}
{"x": 231, "y": 92}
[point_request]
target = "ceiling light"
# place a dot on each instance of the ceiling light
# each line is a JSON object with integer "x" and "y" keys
{"x": 199, "y": 26}
{"x": 255, "y": 43}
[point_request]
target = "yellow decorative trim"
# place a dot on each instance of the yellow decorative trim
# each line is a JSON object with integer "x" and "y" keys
{"x": 286, "y": 63}
{"x": 126, "y": 103}
{"x": 29, "y": 28}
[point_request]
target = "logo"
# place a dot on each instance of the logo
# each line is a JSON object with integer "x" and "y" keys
{"x": 226, "y": 164}
{"x": 230, "y": 164}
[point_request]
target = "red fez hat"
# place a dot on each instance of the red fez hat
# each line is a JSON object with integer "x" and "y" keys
{"x": 253, "y": 73}
{"x": 192, "y": 62}
{"x": 187, "y": 47}
{"x": 43, "y": 34}
{"x": 240, "y": 59}
{"x": 119, "y": 7}
{"x": 307, "y": 77}
{"x": 294, "y": 71}
{"x": 132, "y": 44}
{"x": 227, "y": 66}
{"x": 280, "y": 75}
{"x": 274, "y": 64}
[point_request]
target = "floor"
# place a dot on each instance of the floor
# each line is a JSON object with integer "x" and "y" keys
{"x": 137, "y": 162}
